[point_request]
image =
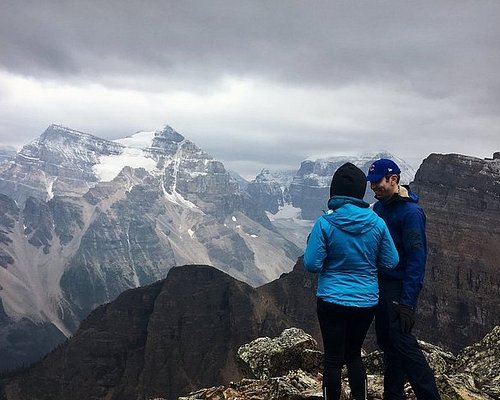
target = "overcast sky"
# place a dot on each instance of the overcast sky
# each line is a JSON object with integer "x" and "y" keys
{"x": 258, "y": 83}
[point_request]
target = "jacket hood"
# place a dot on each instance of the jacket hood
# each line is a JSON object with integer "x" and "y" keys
{"x": 353, "y": 218}
{"x": 407, "y": 195}
{"x": 404, "y": 194}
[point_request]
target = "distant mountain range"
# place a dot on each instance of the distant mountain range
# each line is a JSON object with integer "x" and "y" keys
{"x": 308, "y": 188}
{"x": 83, "y": 219}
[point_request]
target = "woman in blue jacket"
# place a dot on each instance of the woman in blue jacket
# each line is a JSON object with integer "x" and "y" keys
{"x": 347, "y": 246}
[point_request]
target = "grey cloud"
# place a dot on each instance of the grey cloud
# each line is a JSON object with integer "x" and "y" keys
{"x": 442, "y": 56}
{"x": 438, "y": 47}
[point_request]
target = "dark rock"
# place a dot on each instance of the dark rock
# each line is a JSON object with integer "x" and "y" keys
{"x": 68, "y": 218}
{"x": 38, "y": 223}
{"x": 160, "y": 340}
{"x": 25, "y": 339}
{"x": 461, "y": 197}
{"x": 482, "y": 360}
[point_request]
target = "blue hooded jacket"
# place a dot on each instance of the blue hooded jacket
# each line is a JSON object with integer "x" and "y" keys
{"x": 406, "y": 222}
{"x": 347, "y": 246}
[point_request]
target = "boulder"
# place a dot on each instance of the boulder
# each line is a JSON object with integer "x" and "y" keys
{"x": 293, "y": 349}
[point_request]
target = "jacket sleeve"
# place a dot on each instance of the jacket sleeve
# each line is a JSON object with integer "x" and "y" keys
{"x": 388, "y": 254}
{"x": 415, "y": 248}
{"x": 315, "y": 252}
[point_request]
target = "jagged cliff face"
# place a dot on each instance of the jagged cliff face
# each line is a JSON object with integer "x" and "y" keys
{"x": 461, "y": 197}
{"x": 266, "y": 191}
{"x": 79, "y": 225}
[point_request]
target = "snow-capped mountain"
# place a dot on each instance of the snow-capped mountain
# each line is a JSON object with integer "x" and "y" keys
{"x": 294, "y": 199}
{"x": 308, "y": 188}
{"x": 83, "y": 218}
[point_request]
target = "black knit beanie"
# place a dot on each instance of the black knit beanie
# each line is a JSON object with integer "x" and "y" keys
{"x": 348, "y": 180}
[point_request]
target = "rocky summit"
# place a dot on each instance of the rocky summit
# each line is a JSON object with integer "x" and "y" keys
{"x": 82, "y": 219}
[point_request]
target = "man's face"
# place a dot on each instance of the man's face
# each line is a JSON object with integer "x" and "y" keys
{"x": 386, "y": 187}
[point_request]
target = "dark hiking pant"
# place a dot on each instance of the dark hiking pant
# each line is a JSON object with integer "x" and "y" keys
{"x": 403, "y": 357}
{"x": 343, "y": 330}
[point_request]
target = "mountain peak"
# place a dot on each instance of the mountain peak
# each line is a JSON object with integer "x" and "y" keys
{"x": 56, "y": 131}
{"x": 170, "y": 134}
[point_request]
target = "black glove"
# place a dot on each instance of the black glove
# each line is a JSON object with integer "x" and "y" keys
{"x": 406, "y": 317}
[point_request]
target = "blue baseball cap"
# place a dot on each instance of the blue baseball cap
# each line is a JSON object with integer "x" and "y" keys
{"x": 381, "y": 168}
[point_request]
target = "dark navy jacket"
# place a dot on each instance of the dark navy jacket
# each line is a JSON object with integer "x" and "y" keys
{"x": 406, "y": 222}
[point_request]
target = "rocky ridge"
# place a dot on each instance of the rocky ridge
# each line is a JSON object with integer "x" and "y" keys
{"x": 164, "y": 339}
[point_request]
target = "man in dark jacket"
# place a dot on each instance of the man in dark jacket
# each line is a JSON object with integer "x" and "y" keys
{"x": 400, "y": 287}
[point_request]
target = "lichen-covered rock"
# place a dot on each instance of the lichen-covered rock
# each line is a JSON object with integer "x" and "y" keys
{"x": 374, "y": 363}
{"x": 459, "y": 387}
{"x": 440, "y": 361}
{"x": 293, "y": 349}
{"x": 482, "y": 360}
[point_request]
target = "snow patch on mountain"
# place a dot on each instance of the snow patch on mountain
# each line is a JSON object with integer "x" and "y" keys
{"x": 289, "y": 223}
{"x": 139, "y": 140}
{"x": 285, "y": 212}
{"x": 177, "y": 198}
{"x": 110, "y": 166}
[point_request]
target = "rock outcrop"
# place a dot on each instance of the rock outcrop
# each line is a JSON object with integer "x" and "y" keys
{"x": 473, "y": 375}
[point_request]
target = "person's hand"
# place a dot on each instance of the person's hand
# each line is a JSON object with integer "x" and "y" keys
{"x": 406, "y": 317}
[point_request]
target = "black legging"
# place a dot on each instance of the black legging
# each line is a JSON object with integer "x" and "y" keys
{"x": 344, "y": 330}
